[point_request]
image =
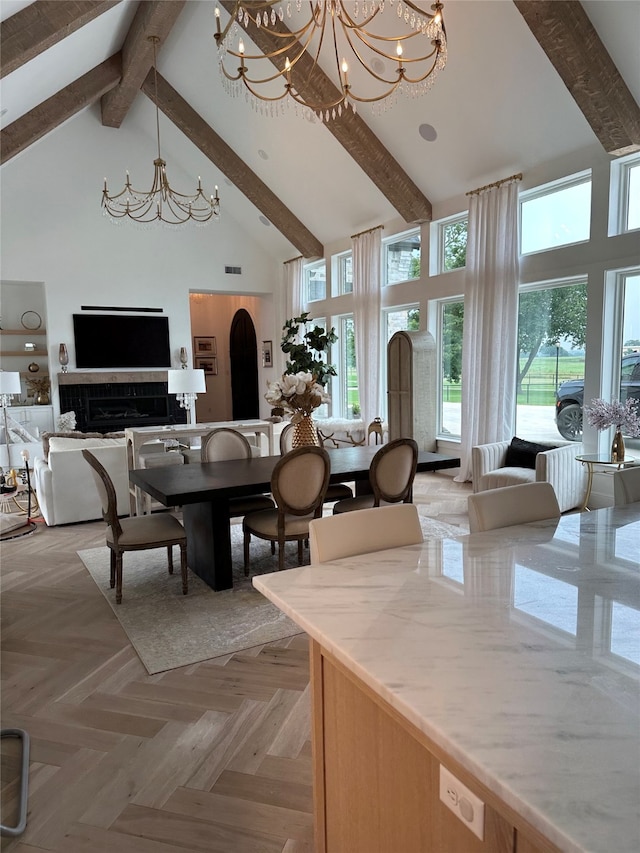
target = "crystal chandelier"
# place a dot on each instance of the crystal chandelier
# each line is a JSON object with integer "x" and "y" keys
{"x": 348, "y": 34}
{"x": 161, "y": 202}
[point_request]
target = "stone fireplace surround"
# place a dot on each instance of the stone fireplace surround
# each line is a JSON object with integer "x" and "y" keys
{"x": 108, "y": 401}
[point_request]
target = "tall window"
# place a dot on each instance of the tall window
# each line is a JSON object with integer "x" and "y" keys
{"x": 453, "y": 243}
{"x": 556, "y": 214}
{"x": 630, "y": 356}
{"x": 625, "y": 194}
{"x": 344, "y": 273}
{"x": 552, "y": 325}
{"x": 449, "y": 337}
{"x": 402, "y": 320}
{"x": 402, "y": 258}
{"x": 349, "y": 401}
{"x": 315, "y": 281}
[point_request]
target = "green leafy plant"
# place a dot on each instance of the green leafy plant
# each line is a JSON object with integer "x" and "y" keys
{"x": 304, "y": 348}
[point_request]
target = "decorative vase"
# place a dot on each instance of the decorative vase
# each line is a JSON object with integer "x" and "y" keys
{"x": 63, "y": 357}
{"x": 617, "y": 447}
{"x": 42, "y": 398}
{"x": 304, "y": 432}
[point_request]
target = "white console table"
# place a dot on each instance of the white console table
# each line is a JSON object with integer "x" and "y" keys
{"x": 136, "y": 438}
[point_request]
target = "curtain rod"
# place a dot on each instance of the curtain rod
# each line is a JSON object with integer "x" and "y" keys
{"x": 291, "y": 260}
{"x": 517, "y": 177}
{"x": 368, "y": 231}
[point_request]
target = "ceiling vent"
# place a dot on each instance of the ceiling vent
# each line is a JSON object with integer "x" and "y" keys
{"x": 233, "y": 270}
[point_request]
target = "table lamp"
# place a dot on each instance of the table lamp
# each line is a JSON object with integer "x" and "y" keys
{"x": 186, "y": 385}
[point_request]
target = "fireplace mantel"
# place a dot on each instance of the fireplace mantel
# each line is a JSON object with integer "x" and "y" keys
{"x": 76, "y": 378}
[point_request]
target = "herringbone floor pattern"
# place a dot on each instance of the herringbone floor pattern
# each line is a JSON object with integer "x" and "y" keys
{"x": 213, "y": 757}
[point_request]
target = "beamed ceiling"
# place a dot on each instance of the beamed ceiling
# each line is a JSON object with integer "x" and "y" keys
{"x": 526, "y": 81}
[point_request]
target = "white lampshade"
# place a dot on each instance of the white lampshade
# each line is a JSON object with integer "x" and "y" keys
{"x": 10, "y": 382}
{"x": 186, "y": 382}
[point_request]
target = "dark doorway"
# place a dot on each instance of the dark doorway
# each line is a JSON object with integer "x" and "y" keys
{"x": 244, "y": 367}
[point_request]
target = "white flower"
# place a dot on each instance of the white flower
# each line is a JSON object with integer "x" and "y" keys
{"x": 297, "y": 392}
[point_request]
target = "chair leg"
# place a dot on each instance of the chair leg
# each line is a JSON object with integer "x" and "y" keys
{"x": 118, "y": 577}
{"x": 300, "y": 545}
{"x": 183, "y": 567}
{"x": 247, "y": 540}
{"x": 280, "y": 555}
{"x": 273, "y": 547}
{"x": 170, "y": 558}
{"x": 112, "y": 568}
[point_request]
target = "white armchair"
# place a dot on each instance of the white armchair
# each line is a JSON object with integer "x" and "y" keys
{"x": 557, "y": 465}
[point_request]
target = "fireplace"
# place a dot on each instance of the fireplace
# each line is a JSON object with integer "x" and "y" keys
{"x": 113, "y": 405}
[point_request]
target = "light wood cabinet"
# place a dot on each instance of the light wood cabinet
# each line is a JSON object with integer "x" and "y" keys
{"x": 376, "y": 779}
{"x": 412, "y": 388}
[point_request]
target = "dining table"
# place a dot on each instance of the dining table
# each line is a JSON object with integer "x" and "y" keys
{"x": 203, "y": 491}
{"x": 479, "y": 692}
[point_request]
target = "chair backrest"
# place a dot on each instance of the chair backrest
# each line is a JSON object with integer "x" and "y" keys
{"x": 626, "y": 486}
{"x": 512, "y": 505}
{"x": 224, "y": 443}
{"x": 106, "y": 492}
{"x": 286, "y": 439}
{"x": 392, "y": 471}
{"x": 363, "y": 531}
{"x": 299, "y": 480}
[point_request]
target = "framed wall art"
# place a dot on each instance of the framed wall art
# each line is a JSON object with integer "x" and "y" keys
{"x": 207, "y": 363}
{"x": 204, "y": 346}
{"x": 267, "y": 353}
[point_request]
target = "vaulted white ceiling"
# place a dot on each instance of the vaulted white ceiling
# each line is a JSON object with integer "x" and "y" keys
{"x": 499, "y": 107}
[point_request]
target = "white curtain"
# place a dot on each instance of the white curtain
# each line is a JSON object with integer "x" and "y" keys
{"x": 366, "y": 318}
{"x": 489, "y": 348}
{"x": 293, "y": 289}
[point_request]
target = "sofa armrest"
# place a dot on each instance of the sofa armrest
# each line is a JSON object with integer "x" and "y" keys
{"x": 568, "y": 477}
{"x": 485, "y": 458}
{"x": 43, "y": 485}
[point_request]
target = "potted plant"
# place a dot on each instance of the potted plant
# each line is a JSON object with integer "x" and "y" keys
{"x": 304, "y": 349}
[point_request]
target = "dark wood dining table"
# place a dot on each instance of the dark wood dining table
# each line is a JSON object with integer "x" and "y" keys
{"x": 203, "y": 490}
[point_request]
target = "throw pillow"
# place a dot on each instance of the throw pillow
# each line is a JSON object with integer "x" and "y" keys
{"x": 522, "y": 454}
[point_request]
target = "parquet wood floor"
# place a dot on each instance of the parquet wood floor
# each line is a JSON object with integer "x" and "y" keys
{"x": 213, "y": 757}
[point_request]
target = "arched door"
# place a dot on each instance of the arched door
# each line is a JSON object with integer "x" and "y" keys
{"x": 243, "y": 351}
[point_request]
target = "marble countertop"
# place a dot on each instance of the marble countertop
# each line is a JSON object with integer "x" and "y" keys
{"x": 516, "y": 651}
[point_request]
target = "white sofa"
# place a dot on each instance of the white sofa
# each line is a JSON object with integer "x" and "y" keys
{"x": 64, "y": 483}
{"x": 557, "y": 465}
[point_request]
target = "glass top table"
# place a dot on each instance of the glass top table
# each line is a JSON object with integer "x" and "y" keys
{"x": 593, "y": 459}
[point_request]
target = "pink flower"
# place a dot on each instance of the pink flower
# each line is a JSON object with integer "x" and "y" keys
{"x": 623, "y": 416}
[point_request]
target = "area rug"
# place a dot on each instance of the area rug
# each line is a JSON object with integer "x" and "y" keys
{"x": 169, "y": 630}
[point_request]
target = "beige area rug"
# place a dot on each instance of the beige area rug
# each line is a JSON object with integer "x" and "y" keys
{"x": 169, "y": 630}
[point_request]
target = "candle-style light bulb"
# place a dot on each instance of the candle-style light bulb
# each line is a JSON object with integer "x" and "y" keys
{"x": 399, "y": 50}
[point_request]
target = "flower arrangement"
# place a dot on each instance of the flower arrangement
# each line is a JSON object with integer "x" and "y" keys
{"x": 623, "y": 416}
{"x": 39, "y": 386}
{"x": 298, "y": 393}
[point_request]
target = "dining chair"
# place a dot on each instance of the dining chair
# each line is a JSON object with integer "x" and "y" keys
{"x": 364, "y": 531}
{"x": 511, "y": 505}
{"x": 225, "y": 443}
{"x": 298, "y": 483}
{"x": 391, "y": 476}
{"x": 335, "y": 491}
{"x": 626, "y": 486}
{"x": 137, "y": 533}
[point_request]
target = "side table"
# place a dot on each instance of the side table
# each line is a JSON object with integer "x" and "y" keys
{"x": 592, "y": 459}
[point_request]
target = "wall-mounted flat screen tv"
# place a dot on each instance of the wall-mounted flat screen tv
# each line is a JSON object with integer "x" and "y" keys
{"x": 109, "y": 340}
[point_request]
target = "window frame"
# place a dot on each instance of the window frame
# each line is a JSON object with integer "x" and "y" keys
{"x": 338, "y": 273}
{"x": 436, "y": 242}
{"x": 619, "y": 194}
{"x": 548, "y": 189}
{"x": 387, "y": 242}
{"x": 307, "y": 270}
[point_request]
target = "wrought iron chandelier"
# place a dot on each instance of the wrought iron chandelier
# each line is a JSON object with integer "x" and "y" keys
{"x": 347, "y": 33}
{"x": 160, "y": 203}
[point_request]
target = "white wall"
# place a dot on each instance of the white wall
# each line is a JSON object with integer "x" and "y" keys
{"x": 52, "y": 230}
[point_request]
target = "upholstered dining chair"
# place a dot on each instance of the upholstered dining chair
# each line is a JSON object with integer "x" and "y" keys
{"x": 137, "y": 533}
{"x": 298, "y": 483}
{"x": 364, "y": 531}
{"x": 226, "y": 443}
{"x": 626, "y": 486}
{"x": 511, "y": 505}
{"x": 335, "y": 491}
{"x": 391, "y": 476}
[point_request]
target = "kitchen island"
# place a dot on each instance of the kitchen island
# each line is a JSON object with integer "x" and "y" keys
{"x": 510, "y": 658}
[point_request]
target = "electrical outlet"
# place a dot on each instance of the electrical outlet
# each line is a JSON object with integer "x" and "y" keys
{"x": 465, "y": 805}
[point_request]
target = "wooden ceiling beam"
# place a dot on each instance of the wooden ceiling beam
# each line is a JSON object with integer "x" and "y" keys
{"x": 569, "y": 39}
{"x": 41, "y": 25}
{"x": 351, "y": 131}
{"x": 49, "y": 114}
{"x": 151, "y": 19}
{"x": 224, "y": 157}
